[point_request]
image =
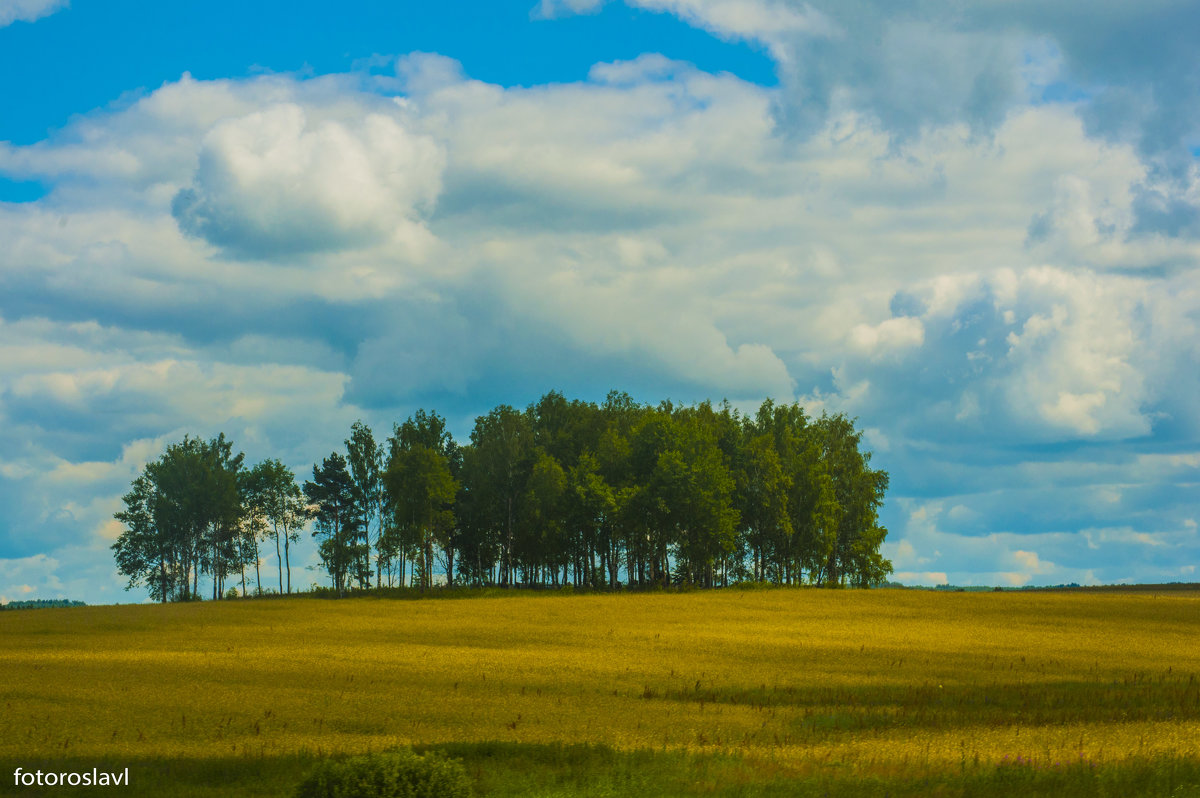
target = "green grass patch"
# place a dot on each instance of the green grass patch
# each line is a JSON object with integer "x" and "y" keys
{"x": 520, "y": 770}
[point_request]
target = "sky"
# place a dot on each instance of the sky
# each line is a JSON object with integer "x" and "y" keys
{"x": 976, "y": 229}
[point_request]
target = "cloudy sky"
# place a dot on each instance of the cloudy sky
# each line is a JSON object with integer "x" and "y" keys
{"x": 975, "y": 228}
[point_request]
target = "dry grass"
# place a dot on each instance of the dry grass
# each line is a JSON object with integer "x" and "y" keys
{"x": 882, "y": 684}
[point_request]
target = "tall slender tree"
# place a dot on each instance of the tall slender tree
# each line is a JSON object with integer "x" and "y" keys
{"x": 763, "y": 486}
{"x": 499, "y": 469}
{"x": 284, "y": 508}
{"x": 421, "y": 492}
{"x": 403, "y": 537}
{"x": 255, "y": 523}
{"x": 331, "y": 496}
{"x": 146, "y": 552}
{"x": 365, "y": 459}
{"x": 541, "y": 529}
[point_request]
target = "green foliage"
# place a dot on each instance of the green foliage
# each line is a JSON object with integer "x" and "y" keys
{"x": 365, "y": 459}
{"x": 525, "y": 770}
{"x": 331, "y": 492}
{"x": 419, "y": 485}
{"x": 400, "y": 774}
{"x": 421, "y": 493}
{"x": 33, "y": 604}
{"x": 564, "y": 492}
{"x": 495, "y": 472}
{"x": 274, "y": 493}
{"x": 183, "y": 517}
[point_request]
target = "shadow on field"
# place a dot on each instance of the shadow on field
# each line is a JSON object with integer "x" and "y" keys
{"x": 520, "y": 770}
{"x": 832, "y": 710}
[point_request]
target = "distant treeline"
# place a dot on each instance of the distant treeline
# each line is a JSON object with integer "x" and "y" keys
{"x": 34, "y": 604}
{"x": 564, "y": 492}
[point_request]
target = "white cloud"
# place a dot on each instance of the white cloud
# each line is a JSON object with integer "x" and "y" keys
{"x": 276, "y": 183}
{"x": 767, "y": 21}
{"x": 425, "y": 72}
{"x": 186, "y": 392}
{"x": 1027, "y": 560}
{"x": 551, "y": 9}
{"x": 27, "y": 10}
{"x": 961, "y": 512}
{"x": 940, "y": 62}
{"x": 888, "y": 337}
{"x": 21, "y": 577}
{"x": 922, "y": 542}
{"x": 648, "y": 66}
{"x": 657, "y": 317}
{"x": 1076, "y": 357}
{"x": 1098, "y": 538}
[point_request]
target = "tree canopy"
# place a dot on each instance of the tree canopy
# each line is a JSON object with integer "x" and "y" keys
{"x": 607, "y": 495}
{"x": 183, "y": 514}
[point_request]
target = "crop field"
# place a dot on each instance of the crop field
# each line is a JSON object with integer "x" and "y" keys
{"x": 730, "y": 692}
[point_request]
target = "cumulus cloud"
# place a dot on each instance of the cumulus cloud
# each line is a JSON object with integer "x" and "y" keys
{"x": 925, "y": 549}
{"x": 1074, "y": 355}
{"x": 770, "y": 21}
{"x": 1055, "y": 353}
{"x": 276, "y": 183}
{"x": 648, "y": 66}
{"x": 889, "y": 336}
{"x": 940, "y": 63}
{"x": 17, "y": 574}
{"x": 28, "y": 10}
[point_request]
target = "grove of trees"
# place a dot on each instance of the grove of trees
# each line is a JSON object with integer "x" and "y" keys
{"x": 566, "y": 492}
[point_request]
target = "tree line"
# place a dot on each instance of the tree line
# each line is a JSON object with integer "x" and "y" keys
{"x": 36, "y": 604}
{"x": 565, "y": 492}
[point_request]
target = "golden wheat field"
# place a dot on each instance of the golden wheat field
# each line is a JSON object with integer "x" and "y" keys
{"x": 873, "y": 682}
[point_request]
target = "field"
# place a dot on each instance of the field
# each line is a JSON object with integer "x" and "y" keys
{"x": 733, "y": 692}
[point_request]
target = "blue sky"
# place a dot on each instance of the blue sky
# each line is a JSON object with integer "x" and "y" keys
{"x": 976, "y": 229}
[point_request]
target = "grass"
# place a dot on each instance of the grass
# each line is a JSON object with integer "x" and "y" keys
{"x": 780, "y": 692}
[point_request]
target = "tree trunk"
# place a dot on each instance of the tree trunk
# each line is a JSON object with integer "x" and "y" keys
{"x": 430, "y": 561}
{"x": 506, "y": 574}
{"x": 614, "y": 565}
{"x": 279, "y": 559}
{"x": 257, "y": 575}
